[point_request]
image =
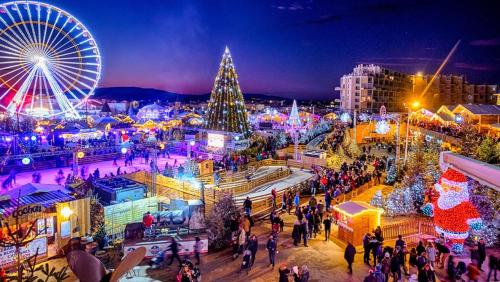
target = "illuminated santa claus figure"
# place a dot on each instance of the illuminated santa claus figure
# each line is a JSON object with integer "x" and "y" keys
{"x": 452, "y": 211}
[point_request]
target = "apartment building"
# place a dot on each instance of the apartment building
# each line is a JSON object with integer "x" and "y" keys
{"x": 369, "y": 87}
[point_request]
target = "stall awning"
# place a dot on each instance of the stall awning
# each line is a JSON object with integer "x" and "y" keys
{"x": 46, "y": 199}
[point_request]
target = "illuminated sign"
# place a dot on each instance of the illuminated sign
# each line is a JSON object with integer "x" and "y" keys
{"x": 216, "y": 140}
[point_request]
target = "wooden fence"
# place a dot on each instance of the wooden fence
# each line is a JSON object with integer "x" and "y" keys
{"x": 412, "y": 231}
{"x": 244, "y": 186}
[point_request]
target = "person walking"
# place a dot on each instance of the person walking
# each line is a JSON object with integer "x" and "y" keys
{"x": 396, "y": 267}
{"x": 296, "y": 201}
{"x": 481, "y": 250}
{"x": 271, "y": 249}
{"x": 493, "y": 265}
{"x": 366, "y": 248}
{"x": 247, "y": 204}
{"x": 197, "y": 249}
{"x": 327, "y": 222}
{"x": 174, "y": 249}
{"x": 349, "y": 253}
{"x": 304, "y": 274}
{"x": 296, "y": 233}
{"x": 386, "y": 266}
{"x": 303, "y": 229}
{"x": 253, "y": 246}
{"x": 283, "y": 273}
{"x": 431, "y": 254}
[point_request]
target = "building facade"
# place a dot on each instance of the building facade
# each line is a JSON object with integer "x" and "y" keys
{"x": 451, "y": 90}
{"x": 369, "y": 87}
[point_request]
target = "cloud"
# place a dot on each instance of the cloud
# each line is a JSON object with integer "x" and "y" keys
{"x": 291, "y": 7}
{"x": 476, "y": 67}
{"x": 324, "y": 19}
{"x": 486, "y": 42}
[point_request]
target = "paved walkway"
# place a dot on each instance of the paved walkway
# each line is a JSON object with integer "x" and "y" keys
{"x": 324, "y": 259}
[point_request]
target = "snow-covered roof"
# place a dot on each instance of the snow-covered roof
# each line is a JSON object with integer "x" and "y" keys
{"x": 354, "y": 207}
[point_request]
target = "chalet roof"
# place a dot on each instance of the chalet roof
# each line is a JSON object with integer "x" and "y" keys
{"x": 354, "y": 207}
{"x": 444, "y": 117}
{"x": 44, "y": 194}
{"x": 478, "y": 109}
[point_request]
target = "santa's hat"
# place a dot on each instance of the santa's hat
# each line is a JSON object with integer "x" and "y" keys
{"x": 452, "y": 178}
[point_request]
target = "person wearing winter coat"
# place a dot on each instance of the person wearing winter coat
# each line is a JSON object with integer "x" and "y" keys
{"x": 431, "y": 254}
{"x": 253, "y": 246}
{"x": 386, "y": 266}
{"x": 303, "y": 229}
{"x": 283, "y": 272}
{"x": 304, "y": 274}
{"x": 349, "y": 253}
{"x": 396, "y": 267}
{"x": 296, "y": 233}
{"x": 481, "y": 250}
{"x": 426, "y": 274}
{"x": 271, "y": 247}
{"x": 242, "y": 238}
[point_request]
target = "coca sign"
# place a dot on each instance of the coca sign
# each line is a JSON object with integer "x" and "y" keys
{"x": 25, "y": 213}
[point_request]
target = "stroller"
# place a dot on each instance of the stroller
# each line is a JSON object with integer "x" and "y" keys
{"x": 247, "y": 260}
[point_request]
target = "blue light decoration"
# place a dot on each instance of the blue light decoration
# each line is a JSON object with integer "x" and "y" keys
{"x": 26, "y": 161}
{"x": 459, "y": 118}
{"x": 382, "y": 127}
{"x": 124, "y": 150}
{"x": 364, "y": 117}
{"x": 428, "y": 138}
{"x": 345, "y": 117}
{"x": 33, "y": 138}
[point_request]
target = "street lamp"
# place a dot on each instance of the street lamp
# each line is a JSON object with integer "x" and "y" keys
{"x": 414, "y": 105}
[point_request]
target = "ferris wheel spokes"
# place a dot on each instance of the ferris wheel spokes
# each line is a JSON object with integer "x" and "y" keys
{"x": 45, "y": 70}
{"x": 61, "y": 99}
{"x": 20, "y": 94}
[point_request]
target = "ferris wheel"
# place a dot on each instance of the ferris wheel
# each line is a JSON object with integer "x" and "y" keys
{"x": 49, "y": 61}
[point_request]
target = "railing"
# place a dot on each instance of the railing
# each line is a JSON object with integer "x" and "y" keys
{"x": 263, "y": 205}
{"x": 411, "y": 231}
{"x": 452, "y": 140}
{"x": 243, "y": 187}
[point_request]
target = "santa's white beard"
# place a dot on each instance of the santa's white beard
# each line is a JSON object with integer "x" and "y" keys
{"x": 450, "y": 199}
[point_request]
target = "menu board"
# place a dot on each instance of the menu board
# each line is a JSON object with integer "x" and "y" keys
{"x": 8, "y": 255}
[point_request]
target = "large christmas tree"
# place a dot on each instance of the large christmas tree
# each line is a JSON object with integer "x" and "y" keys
{"x": 226, "y": 108}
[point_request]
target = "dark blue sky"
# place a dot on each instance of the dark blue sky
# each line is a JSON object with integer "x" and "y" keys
{"x": 291, "y": 48}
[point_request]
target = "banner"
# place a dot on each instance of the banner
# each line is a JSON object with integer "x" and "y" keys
{"x": 8, "y": 255}
{"x": 155, "y": 248}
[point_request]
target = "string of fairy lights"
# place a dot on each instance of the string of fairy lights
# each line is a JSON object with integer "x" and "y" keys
{"x": 226, "y": 107}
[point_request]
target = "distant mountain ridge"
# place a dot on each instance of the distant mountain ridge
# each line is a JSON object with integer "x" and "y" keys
{"x": 151, "y": 94}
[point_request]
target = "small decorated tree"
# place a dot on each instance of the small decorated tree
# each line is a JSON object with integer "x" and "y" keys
{"x": 378, "y": 200}
{"x": 400, "y": 202}
{"x": 487, "y": 151}
{"x": 218, "y": 228}
{"x": 392, "y": 174}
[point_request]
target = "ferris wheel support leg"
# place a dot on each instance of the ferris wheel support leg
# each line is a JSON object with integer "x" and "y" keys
{"x": 15, "y": 102}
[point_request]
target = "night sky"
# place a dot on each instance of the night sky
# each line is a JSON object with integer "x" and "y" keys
{"x": 289, "y": 48}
